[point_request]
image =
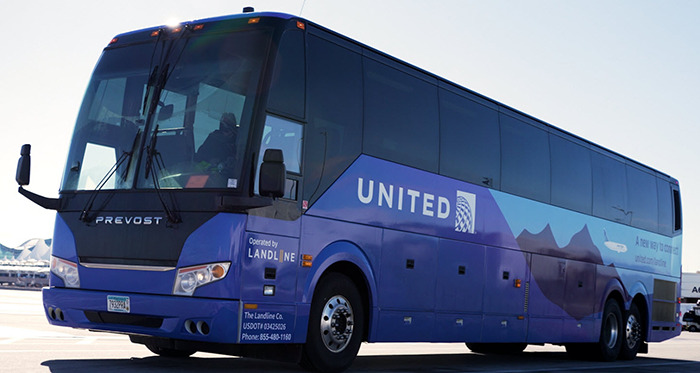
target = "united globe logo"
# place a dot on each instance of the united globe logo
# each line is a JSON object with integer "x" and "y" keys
{"x": 465, "y": 214}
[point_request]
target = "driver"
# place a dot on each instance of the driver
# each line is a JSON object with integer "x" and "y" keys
{"x": 219, "y": 148}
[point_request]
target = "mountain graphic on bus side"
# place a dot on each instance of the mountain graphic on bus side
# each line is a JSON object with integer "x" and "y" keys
{"x": 580, "y": 248}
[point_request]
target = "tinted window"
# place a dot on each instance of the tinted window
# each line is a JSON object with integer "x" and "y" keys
{"x": 677, "y": 218}
{"x": 609, "y": 188}
{"x": 401, "y": 117}
{"x": 334, "y": 130}
{"x": 287, "y": 88}
{"x": 283, "y": 134}
{"x": 665, "y": 207}
{"x": 571, "y": 175}
{"x": 525, "y": 168}
{"x": 470, "y": 144}
{"x": 642, "y": 199}
{"x": 286, "y": 135}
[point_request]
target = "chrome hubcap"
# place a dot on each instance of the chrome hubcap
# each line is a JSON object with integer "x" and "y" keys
{"x": 633, "y": 331}
{"x": 611, "y": 330}
{"x": 337, "y": 323}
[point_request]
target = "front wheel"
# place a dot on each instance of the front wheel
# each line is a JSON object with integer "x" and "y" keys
{"x": 336, "y": 325}
{"x": 632, "y": 339}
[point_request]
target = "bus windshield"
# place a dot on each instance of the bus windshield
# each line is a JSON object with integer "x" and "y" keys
{"x": 191, "y": 133}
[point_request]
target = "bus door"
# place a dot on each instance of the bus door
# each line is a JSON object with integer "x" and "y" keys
{"x": 271, "y": 246}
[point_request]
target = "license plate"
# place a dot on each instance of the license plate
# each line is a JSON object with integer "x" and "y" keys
{"x": 117, "y": 303}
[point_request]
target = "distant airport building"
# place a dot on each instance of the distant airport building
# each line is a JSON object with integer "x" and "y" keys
{"x": 25, "y": 274}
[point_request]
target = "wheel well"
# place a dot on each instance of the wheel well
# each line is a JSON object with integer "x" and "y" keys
{"x": 358, "y": 278}
{"x": 618, "y": 298}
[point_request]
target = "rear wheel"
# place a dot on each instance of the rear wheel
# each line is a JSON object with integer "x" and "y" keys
{"x": 632, "y": 339}
{"x": 336, "y": 324}
{"x": 611, "y": 332}
{"x": 692, "y": 328}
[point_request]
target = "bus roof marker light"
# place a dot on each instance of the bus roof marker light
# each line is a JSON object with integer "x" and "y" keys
{"x": 198, "y": 27}
{"x": 155, "y": 33}
{"x": 301, "y": 25}
{"x": 114, "y": 40}
{"x": 254, "y": 20}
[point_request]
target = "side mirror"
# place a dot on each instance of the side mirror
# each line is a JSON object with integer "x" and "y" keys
{"x": 24, "y": 165}
{"x": 272, "y": 174}
{"x": 22, "y": 178}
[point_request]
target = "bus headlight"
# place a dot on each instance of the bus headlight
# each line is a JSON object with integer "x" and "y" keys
{"x": 66, "y": 271}
{"x": 188, "y": 279}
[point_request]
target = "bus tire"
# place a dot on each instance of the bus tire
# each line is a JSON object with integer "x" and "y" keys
{"x": 632, "y": 338}
{"x": 168, "y": 352}
{"x": 611, "y": 332}
{"x": 336, "y": 325}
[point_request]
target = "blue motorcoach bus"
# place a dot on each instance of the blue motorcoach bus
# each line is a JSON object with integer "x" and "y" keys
{"x": 259, "y": 185}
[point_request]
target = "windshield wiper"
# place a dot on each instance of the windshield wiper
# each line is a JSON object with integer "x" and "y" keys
{"x": 150, "y": 86}
{"x": 84, "y": 215}
{"x": 153, "y": 157}
{"x": 156, "y": 83}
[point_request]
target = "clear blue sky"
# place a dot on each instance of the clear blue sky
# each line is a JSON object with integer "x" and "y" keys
{"x": 624, "y": 74}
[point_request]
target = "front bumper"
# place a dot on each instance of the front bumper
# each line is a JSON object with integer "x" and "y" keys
{"x": 197, "y": 319}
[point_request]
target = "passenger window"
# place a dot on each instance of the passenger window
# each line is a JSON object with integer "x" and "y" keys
{"x": 470, "y": 144}
{"x": 677, "y": 220}
{"x": 334, "y": 132}
{"x": 525, "y": 168}
{"x": 401, "y": 117}
{"x": 609, "y": 188}
{"x": 287, "y": 88}
{"x": 641, "y": 199}
{"x": 665, "y": 207}
{"x": 572, "y": 186}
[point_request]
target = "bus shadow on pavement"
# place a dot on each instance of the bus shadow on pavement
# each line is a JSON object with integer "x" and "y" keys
{"x": 467, "y": 362}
